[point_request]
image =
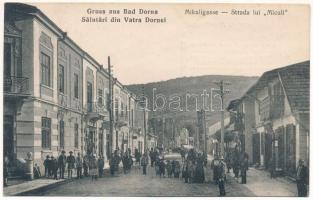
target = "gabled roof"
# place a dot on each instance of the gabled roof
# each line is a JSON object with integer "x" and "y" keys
{"x": 296, "y": 82}
{"x": 295, "y": 79}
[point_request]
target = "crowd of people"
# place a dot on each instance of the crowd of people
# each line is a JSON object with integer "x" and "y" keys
{"x": 55, "y": 167}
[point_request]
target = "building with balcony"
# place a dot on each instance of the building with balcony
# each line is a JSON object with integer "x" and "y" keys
{"x": 56, "y": 96}
{"x": 274, "y": 118}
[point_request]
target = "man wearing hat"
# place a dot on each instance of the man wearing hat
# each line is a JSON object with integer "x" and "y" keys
{"x": 79, "y": 165}
{"x": 302, "y": 179}
{"x": 47, "y": 165}
{"x": 221, "y": 176}
{"x": 54, "y": 167}
{"x": 62, "y": 164}
{"x": 70, "y": 164}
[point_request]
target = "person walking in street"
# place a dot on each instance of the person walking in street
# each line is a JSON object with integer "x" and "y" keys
{"x": 228, "y": 160}
{"x": 236, "y": 162}
{"x": 54, "y": 167}
{"x": 244, "y": 168}
{"x": 111, "y": 164}
{"x": 137, "y": 157}
{"x": 5, "y": 170}
{"x": 144, "y": 162}
{"x": 169, "y": 168}
{"x": 221, "y": 177}
{"x": 162, "y": 167}
{"x": 86, "y": 164}
{"x": 70, "y": 165}
{"x": 36, "y": 171}
{"x": 176, "y": 169}
{"x": 151, "y": 157}
{"x": 47, "y": 166}
{"x": 182, "y": 154}
{"x": 100, "y": 165}
{"x": 302, "y": 179}
{"x": 214, "y": 167}
{"x": 93, "y": 166}
{"x": 62, "y": 164}
{"x": 79, "y": 165}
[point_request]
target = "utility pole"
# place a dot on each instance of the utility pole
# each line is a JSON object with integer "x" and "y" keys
{"x": 144, "y": 119}
{"x": 110, "y": 108}
{"x": 222, "y": 92}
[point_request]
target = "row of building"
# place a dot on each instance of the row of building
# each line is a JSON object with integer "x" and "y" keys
{"x": 57, "y": 97}
{"x": 271, "y": 121}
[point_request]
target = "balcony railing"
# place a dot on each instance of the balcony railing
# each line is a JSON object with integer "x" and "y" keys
{"x": 95, "y": 107}
{"x": 265, "y": 109}
{"x": 16, "y": 85}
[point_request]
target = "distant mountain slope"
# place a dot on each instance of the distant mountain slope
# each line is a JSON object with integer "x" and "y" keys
{"x": 181, "y": 87}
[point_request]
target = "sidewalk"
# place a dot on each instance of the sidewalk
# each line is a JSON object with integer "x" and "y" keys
{"x": 23, "y": 187}
{"x": 260, "y": 183}
{"x": 28, "y": 186}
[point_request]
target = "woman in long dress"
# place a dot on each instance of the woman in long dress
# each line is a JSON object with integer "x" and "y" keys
{"x": 93, "y": 168}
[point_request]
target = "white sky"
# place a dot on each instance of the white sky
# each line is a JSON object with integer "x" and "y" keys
{"x": 188, "y": 45}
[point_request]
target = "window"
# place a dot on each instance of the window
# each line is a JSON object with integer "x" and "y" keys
{"x": 45, "y": 132}
{"x": 76, "y": 136}
{"x": 61, "y": 130}
{"x": 116, "y": 109}
{"x": 122, "y": 110}
{"x": 101, "y": 143}
{"x": 61, "y": 78}
{"x": 89, "y": 96}
{"x": 100, "y": 97}
{"x": 76, "y": 86}
{"x": 45, "y": 69}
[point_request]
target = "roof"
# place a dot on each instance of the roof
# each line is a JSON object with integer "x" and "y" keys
{"x": 296, "y": 82}
{"x": 295, "y": 79}
{"x": 19, "y": 11}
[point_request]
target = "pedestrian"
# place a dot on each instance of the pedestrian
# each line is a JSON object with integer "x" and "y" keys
{"x": 54, "y": 167}
{"x": 100, "y": 165}
{"x": 302, "y": 179}
{"x": 157, "y": 165}
{"x": 70, "y": 165}
{"x": 46, "y": 164}
{"x": 221, "y": 176}
{"x": 228, "y": 160}
{"x": 236, "y": 162}
{"x": 144, "y": 162}
{"x": 125, "y": 163}
{"x": 151, "y": 157}
{"x": 5, "y": 170}
{"x": 244, "y": 168}
{"x": 111, "y": 163}
{"x": 36, "y": 171}
{"x": 182, "y": 154}
{"x": 199, "y": 170}
{"x": 93, "y": 167}
{"x": 137, "y": 157}
{"x": 169, "y": 169}
{"x": 214, "y": 167}
{"x": 176, "y": 169}
{"x": 162, "y": 168}
{"x": 79, "y": 165}
{"x": 86, "y": 164}
{"x": 62, "y": 164}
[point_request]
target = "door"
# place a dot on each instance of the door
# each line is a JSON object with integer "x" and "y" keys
{"x": 256, "y": 148}
{"x": 89, "y": 97}
{"x": 8, "y": 137}
{"x": 268, "y": 150}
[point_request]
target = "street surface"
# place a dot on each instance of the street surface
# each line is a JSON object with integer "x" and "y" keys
{"x": 136, "y": 184}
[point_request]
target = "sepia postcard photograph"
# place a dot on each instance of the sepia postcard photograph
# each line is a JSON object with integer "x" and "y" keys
{"x": 136, "y": 99}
